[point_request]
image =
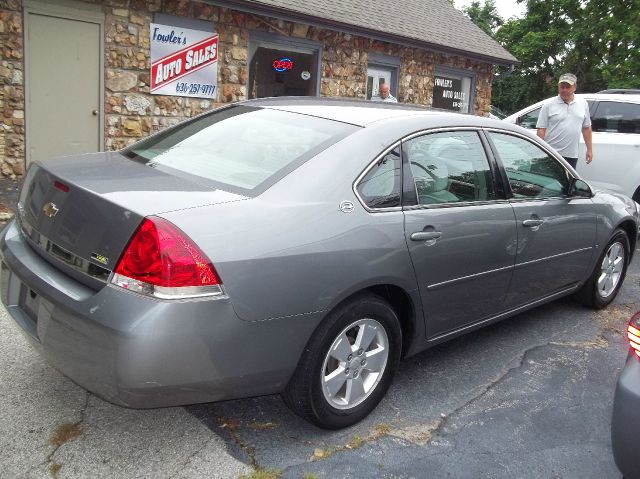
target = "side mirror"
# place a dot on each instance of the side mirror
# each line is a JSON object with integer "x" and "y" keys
{"x": 580, "y": 189}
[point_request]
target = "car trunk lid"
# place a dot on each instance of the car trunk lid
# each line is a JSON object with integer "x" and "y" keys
{"x": 80, "y": 212}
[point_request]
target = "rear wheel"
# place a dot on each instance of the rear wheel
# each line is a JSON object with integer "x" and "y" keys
{"x": 347, "y": 365}
{"x": 607, "y": 278}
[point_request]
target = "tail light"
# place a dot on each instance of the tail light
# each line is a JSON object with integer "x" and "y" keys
{"x": 633, "y": 333}
{"x": 161, "y": 261}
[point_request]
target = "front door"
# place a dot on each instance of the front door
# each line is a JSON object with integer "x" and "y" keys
{"x": 375, "y": 78}
{"x": 63, "y": 79}
{"x": 556, "y": 234}
{"x": 461, "y": 235}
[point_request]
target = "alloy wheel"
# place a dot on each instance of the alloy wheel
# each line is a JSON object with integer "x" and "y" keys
{"x": 611, "y": 269}
{"x": 355, "y": 363}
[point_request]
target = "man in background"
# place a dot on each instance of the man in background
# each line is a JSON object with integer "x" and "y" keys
{"x": 385, "y": 95}
{"x": 563, "y": 118}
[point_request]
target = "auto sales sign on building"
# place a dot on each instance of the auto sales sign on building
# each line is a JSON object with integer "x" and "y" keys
{"x": 183, "y": 62}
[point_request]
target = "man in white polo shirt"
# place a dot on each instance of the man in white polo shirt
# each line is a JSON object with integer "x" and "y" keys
{"x": 562, "y": 118}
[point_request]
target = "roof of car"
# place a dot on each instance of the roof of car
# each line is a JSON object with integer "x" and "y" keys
{"x": 634, "y": 97}
{"x": 624, "y": 91}
{"x": 618, "y": 97}
{"x": 600, "y": 96}
{"x": 360, "y": 112}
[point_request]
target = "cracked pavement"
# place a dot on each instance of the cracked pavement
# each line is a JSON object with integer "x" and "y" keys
{"x": 529, "y": 397}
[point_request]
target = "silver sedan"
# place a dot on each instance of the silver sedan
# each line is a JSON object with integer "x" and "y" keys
{"x": 298, "y": 246}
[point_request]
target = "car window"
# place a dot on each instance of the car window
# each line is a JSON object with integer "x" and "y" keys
{"x": 532, "y": 172}
{"x": 449, "y": 167}
{"x": 616, "y": 117}
{"x": 529, "y": 120}
{"x": 242, "y": 147}
{"x": 380, "y": 187}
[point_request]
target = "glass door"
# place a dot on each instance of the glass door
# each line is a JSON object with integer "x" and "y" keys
{"x": 375, "y": 78}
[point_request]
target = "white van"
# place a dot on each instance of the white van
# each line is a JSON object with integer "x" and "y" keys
{"x": 615, "y": 122}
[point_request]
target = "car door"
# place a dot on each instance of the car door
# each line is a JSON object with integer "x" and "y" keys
{"x": 556, "y": 233}
{"x": 460, "y": 230}
{"x": 616, "y": 148}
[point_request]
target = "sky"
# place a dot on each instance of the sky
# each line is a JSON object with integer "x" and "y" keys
{"x": 506, "y": 8}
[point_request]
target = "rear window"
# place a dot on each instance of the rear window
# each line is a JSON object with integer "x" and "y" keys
{"x": 240, "y": 147}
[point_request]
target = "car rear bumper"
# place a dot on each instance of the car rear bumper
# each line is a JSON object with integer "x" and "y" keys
{"x": 625, "y": 422}
{"x": 142, "y": 352}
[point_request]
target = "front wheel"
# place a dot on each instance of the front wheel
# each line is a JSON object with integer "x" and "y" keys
{"x": 604, "y": 283}
{"x": 347, "y": 365}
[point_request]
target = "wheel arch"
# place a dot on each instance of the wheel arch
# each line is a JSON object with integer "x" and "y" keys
{"x": 400, "y": 301}
{"x": 403, "y": 305}
{"x": 630, "y": 228}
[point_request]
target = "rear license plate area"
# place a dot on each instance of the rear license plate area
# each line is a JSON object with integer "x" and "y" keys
{"x": 29, "y": 302}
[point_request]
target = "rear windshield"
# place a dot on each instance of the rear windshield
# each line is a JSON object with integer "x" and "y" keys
{"x": 240, "y": 147}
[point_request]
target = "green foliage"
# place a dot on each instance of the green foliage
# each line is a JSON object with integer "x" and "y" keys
{"x": 607, "y": 51}
{"x": 263, "y": 474}
{"x": 596, "y": 40}
{"x": 485, "y": 16}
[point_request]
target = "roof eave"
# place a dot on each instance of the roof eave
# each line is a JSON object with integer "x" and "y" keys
{"x": 291, "y": 15}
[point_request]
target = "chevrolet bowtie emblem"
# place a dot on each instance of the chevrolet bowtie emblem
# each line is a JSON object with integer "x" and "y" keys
{"x": 50, "y": 210}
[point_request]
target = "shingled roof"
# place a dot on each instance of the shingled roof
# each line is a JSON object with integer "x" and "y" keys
{"x": 433, "y": 24}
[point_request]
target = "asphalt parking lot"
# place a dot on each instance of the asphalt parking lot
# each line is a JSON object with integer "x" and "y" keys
{"x": 527, "y": 398}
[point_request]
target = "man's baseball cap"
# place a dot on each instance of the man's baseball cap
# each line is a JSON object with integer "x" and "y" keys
{"x": 569, "y": 78}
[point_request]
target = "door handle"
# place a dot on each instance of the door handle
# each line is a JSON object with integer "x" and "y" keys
{"x": 532, "y": 223}
{"x": 425, "y": 235}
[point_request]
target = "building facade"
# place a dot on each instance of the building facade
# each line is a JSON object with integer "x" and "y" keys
{"x": 76, "y": 76}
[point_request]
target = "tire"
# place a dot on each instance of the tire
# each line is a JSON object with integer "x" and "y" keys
{"x": 333, "y": 359}
{"x": 608, "y": 275}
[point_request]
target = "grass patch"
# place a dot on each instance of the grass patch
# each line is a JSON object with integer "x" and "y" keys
{"x": 263, "y": 474}
{"x": 320, "y": 454}
{"x": 54, "y": 469}
{"x": 64, "y": 433}
{"x": 262, "y": 426}
{"x": 355, "y": 442}
{"x": 381, "y": 429}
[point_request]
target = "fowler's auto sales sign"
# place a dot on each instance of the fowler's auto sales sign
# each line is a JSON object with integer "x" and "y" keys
{"x": 183, "y": 62}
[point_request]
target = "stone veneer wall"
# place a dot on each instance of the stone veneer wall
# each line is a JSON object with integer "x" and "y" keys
{"x": 11, "y": 89}
{"x": 131, "y": 112}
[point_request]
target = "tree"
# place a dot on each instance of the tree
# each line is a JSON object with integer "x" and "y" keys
{"x": 596, "y": 40}
{"x": 606, "y": 44}
{"x": 540, "y": 41}
{"x": 485, "y": 16}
